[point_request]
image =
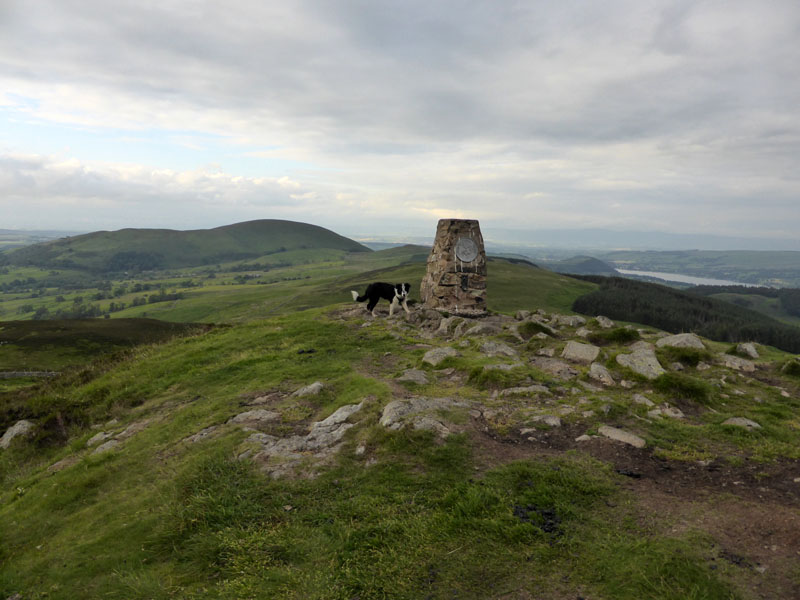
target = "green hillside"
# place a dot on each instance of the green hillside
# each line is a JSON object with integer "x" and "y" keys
{"x": 149, "y": 249}
{"x": 145, "y": 478}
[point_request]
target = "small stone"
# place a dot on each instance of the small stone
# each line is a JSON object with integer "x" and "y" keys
{"x": 785, "y": 394}
{"x": 627, "y": 384}
{"x": 742, "y": 422}
{"x": 666, "y": 411}
{"x": 360, "y": 450}
{"x": 702, "y": 366}
{"x": 621, "y": 435}
{"x": 676, "y": 366}
{"x": 522, "y": 315}
{"x": 583, "y": 332}
{"x": 287, "y": 507}
{"x": 640, "y": 399}
{"x": 202, "y": 434}
{"x": 550, "y": 352}
{"x": 583, "y": 438}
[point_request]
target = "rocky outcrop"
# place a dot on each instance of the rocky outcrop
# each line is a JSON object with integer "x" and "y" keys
{"x": 280, "y": 456}
{"x": 748, "y": 349}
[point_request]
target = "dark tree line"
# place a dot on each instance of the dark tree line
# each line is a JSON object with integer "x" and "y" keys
{"x": 789, "y": 297}
{"x": 677, "y": 311}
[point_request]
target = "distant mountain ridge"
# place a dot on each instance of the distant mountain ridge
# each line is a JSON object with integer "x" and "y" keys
{"x": 146, "y": 249}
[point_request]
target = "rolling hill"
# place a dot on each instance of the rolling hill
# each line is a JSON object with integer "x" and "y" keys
{"x": 148, "y": 249}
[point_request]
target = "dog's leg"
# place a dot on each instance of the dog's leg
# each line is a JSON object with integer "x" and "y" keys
{"x": 371, "y": 307}
{"x": 392, "y": 304}
{"x": 405, "y": 306}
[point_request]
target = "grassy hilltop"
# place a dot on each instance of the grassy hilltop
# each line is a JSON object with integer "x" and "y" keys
{"x": 148, "y": 249}
{"x": 205, "y": 462}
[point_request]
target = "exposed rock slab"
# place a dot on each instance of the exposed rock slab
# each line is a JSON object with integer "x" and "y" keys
{"x": 437, "y": 355}
{"x": 742, "y": 422}
{"x": 568, "y": 320}
{"x": 681, "y": 340}
{"x": 621, "y": 435}
{"x": 642, "y": 361}
{"x": 555, "y": 367}
{"x": 737, "y": 364}
{"x": 414, "y": 376}
{"x": 528, "y": 390}
{"x": 255, "y": 416}
{"x": 283, "y": 456}
{"x": 492, "y": 348}
{"x": 310, "y": 390}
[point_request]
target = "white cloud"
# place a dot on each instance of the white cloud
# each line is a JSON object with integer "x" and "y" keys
{"x": 625, "y": 113}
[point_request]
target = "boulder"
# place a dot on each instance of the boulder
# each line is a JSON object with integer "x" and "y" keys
{"x": 748, "y": 349}
{"x": 605, "y": 322}
{"x": 681, "y": 340}
{"x": 581, "y": 353}
{"x": 568, "y": 320}
{"x": 416, "y": 411}
{"x": 437, "y": 355}
{"x": 21, "y": 428}
{"x": 621, "y": 435}
{"x": 522, "y": 315}
{"x": 599, "y": 373}
{"x": 643, "y": 362}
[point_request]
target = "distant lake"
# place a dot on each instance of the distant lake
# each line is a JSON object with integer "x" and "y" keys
{"x": 685, "y": 278}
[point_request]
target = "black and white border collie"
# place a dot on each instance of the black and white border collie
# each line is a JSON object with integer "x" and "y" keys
{"x": 395, "y": 294}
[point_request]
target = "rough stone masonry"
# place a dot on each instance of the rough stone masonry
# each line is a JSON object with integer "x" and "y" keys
{"x": 456, "y": 277}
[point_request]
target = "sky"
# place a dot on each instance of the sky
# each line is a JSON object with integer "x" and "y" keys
{"x": 377, "y": 118}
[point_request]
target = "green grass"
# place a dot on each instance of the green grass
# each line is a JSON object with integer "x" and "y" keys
{"x": 161, "y": 518}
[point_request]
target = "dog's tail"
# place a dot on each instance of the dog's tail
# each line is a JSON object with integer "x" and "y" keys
{"x": 356, "y": 298}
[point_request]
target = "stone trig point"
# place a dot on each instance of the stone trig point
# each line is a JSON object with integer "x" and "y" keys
{"x": 456, "y": 278}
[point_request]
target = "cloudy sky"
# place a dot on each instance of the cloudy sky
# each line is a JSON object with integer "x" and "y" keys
{"x": 377, "y": 118}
